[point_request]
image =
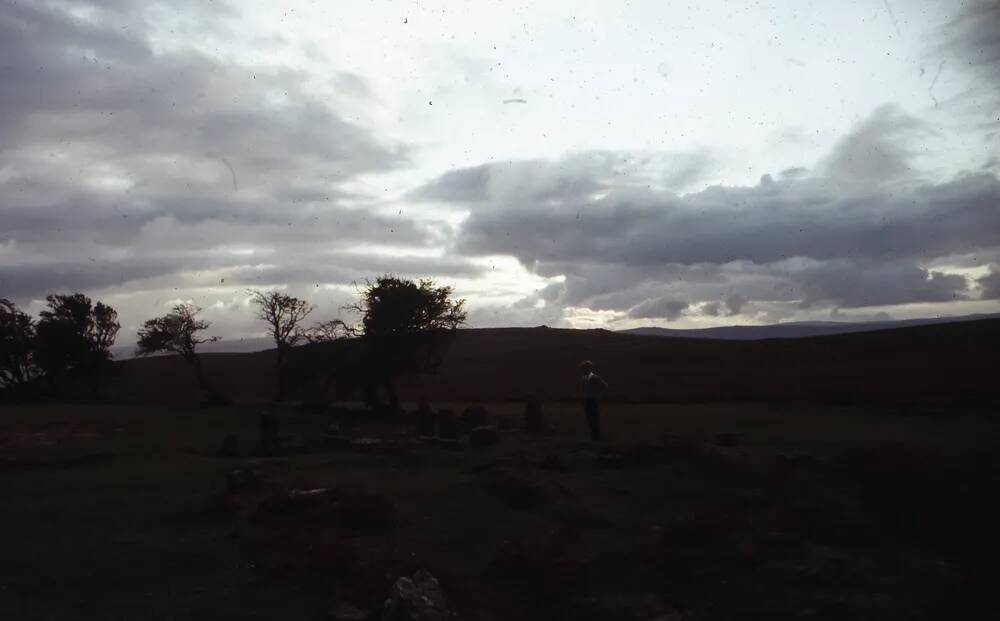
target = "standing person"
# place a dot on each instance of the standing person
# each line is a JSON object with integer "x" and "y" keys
{"x": 593, "y": 389}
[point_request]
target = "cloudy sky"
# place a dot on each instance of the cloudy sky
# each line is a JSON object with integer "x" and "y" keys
{"x": 587, "y": 164}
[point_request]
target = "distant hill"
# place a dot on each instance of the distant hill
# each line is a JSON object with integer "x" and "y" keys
{"x": 797, "y": 329}
{"x": 124, "y": 352}
{"x": 944, "y": 363}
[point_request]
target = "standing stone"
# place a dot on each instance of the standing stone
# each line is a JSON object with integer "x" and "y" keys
{"x": 230, "y": 446}
{"x": 447, "y": 425}
{"x": 426, "y": 422}
{"x": 240, "y": 480}
{"x": 533, "y": 421}
{"x": 269, "y": 429}
{"x": 487, "y": 435}
{"x": 506, "y": 422}
{"x": 476, "y": 416}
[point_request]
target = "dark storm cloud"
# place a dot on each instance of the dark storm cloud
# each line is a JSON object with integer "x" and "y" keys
{"x": 573, "y": 178}
{"x": 769, "y": 222}
{"x": 116, "y": 149}
{"x": 990, "y": 284}
{"x": 34, "y": 280}
{"x": 850, "y": 284}
{"x": 661, "y": 308}
{"x": 856, "y": 232}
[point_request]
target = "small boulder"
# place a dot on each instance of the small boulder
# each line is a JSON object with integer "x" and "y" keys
{"x": 426, "y": 420}
{"x": 447, "y": 425}
{"x": 486, "y": 435}
{"x": 366, "y": 444}
{"x": 241, "y": 480}
{"x": 794, "y": 460}
{"x": 505, "y": 422}
{"x": 230, "y": 446}
{"x": 476, "y": 416}
{"x": 269, "y": 429}
{"x": 453, "y": 444}
{"x": 533, "y": 420}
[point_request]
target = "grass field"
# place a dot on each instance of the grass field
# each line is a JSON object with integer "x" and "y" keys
{"x": 115, "y": 512}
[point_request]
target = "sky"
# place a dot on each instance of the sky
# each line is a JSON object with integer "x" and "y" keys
{"x": 580, "y": 164}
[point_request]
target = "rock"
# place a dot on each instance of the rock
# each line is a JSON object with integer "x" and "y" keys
{"x": 447, "y": 425}
{"x": 449, "y": 443}
{"x": 551, "y": 461}
{"x": 610, "y": 460}
{"x": 476, "y": 416}
{"x": 417, "y": 599}
{"x": 793, "y": 460}
{"x": 308, "y": 493}
{"x": 269, "y": 428}
{"x": 533, "y": 421}
{"x": 426, "y": 421}
{"x": 505, "y": 422}
{"x": 366, "y": 444}
{"x": 486, "y": 435}
{"x": 241, "y": 480}
{"x": 230, "y": 446}
{"x": 288, "y": 443}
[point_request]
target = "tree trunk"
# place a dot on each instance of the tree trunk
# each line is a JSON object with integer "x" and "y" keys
{"x": 199, "y": 374}
{"x": 279, "y": 378}
{"x": 94, "y": 382}
{"x": 390, "y": 391}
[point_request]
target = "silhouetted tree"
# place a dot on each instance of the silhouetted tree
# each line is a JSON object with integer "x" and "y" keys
{"x": 17, "y": 342}
{"x": 284, "y": 315}
{"x": 327, "y": 331}
{"x": 323, "y": 364}
{"x": 407, "y": 326}
{"x": 73, "y": 333}
{"x": 177, "y": 332}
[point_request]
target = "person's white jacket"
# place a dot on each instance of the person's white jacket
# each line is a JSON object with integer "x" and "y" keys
{"x": 593, "y": 386}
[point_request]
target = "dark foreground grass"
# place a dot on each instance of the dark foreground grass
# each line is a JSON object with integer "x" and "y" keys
{"x": 688, "y": 512}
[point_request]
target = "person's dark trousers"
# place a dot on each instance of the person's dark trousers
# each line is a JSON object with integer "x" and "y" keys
{"x": 593, "y": 411}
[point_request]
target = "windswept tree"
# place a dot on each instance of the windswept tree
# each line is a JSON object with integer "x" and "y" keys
{"x": 177, "y": 332}
{"x": 74, "y": 333}
{"x": 327, "y": 331}
{"x": 407, "y": 326}
{"x": 284, "y": 315}
{"x": 17, "y": 342}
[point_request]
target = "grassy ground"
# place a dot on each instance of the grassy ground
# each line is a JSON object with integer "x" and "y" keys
{"x": 792, "y": 512}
